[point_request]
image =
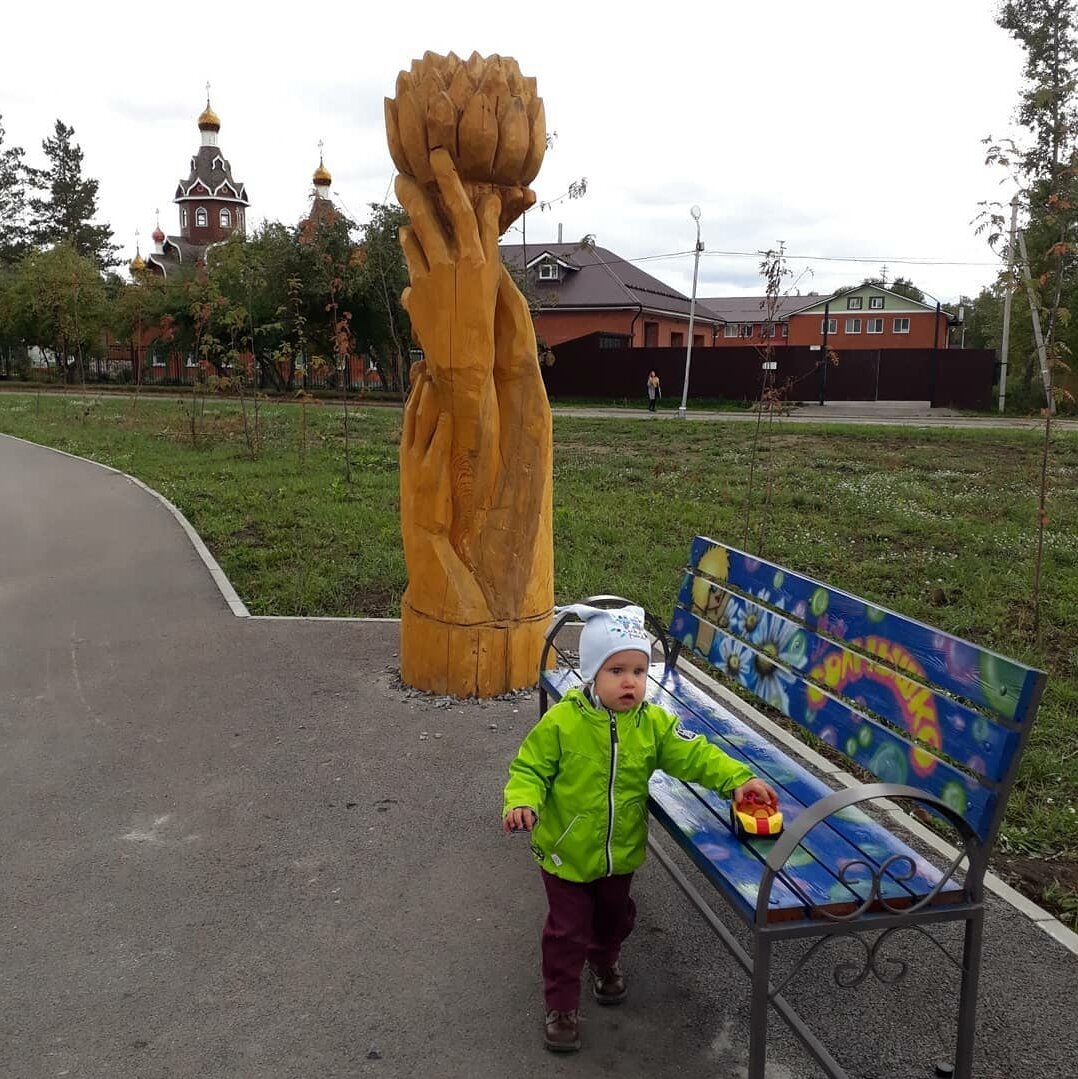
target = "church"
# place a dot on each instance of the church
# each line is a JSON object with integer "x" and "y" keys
{"x": 212, "y": 205}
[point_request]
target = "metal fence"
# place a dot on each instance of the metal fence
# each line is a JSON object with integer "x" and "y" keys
{"x": 957, "y": 378}
{"x": 124, "y": 365}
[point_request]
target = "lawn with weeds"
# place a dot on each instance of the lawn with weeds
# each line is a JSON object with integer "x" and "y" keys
{"x": 938, "y": 525}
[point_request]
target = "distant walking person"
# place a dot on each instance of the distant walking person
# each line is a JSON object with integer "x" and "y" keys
{"x": 654, "y": 391}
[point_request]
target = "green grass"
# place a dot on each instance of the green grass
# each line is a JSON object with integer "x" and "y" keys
{"x": 939, "y": 525}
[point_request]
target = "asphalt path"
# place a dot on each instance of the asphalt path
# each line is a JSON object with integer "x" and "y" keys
{"x": 237, "y": 847}
{"x": 855, "y": 413}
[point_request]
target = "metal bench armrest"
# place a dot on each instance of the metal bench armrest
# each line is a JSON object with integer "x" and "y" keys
{"x": 792, "y": 835}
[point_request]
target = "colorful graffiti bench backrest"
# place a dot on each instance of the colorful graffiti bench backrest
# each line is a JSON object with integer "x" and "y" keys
{"x": 906, "y": 702}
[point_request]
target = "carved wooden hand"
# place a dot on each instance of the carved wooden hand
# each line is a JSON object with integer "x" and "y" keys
{"x": 476, "y": 451}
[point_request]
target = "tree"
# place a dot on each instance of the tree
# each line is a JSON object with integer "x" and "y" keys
{"x": 380, "y": 324}
{"x": 1048, "y": 107}
{"x": 902, "y": 286}
{"x": 1044, "y": 167}
{"x": 64, "y": 214}
{"x": 251, "y": 275}
{"x": 59, "y": 302}
{"x": 14, "y": 235}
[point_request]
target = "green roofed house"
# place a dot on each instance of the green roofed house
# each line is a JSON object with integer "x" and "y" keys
{"x": 864, "y": 317}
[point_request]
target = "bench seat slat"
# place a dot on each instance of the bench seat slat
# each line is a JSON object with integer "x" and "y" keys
{"x": 994, "y": 682}
{"x": 870, "y": 744}
{"x": 939, "y": 721}
{"x": 698, "y": 818}
{"x": 735, "y": 873}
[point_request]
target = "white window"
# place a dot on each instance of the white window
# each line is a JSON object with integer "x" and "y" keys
{"x": 548, "y": 271}
{"x": 201, "y": 218}
{"x": 226, "y": 219}
{"x": 830, "y": 327}
{"x": 902, "y": 325}
{"x": 785, "y": 330}
{"x": 746, "y": 329}
{"x": 853, "y": 303}
{"x": 875, "y": 303}
{"x": 731, "y": 329}
{"x": 874, "y": 325}
{"x": 191, "y": 361}
{"x": 853, "y": 325}
{"x": 767, "y": 329}
{"x": 183, "y": 217}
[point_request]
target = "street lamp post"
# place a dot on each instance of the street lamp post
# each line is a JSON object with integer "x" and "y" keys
{"x": 695, "y": 211}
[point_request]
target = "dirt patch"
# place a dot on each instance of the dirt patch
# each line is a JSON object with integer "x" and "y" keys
{"x": 371, "y": 601}
{"x": 1053, "y": 884}
{"x": 250, "y": 533}
{"x": 1037, "y": 872}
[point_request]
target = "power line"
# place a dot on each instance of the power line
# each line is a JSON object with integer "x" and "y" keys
{"x": 870, "y": 259}
{"x": 910, "y": 260}
{"x": 875, "y": 260}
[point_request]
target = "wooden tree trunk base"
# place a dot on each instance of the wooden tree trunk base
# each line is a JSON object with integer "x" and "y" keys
{"x": 470, "y": 661}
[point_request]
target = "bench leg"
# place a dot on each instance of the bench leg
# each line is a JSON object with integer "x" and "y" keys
{"x": 967, "y": 1007}
{"x": 761, "y": 1002}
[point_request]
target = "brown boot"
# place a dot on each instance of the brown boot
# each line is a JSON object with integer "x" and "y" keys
{"x": 608, "y": 986}
{"x": 562, "y": 1031}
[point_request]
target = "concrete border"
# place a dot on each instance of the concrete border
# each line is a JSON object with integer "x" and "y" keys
{"x": 1038, "y": 915}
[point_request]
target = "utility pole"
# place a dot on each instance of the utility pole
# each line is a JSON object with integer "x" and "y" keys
{"x": 1005, "y": 344}
{"x": 1046, "y": 371}
{"x": 935, "y": 358}
{"x": 823, "y": 350}
{"x": 683, "y": 410}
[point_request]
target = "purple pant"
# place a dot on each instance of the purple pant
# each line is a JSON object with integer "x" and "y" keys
{"x": 585, "y": 922}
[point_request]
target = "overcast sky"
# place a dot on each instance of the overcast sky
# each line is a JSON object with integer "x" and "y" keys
{"x": 843, "y": 128}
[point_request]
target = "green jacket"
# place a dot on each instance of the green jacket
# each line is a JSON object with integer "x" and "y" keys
{"x": 585, "y": 771}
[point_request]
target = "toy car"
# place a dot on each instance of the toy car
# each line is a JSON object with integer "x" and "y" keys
{"x": 753, "y": 817}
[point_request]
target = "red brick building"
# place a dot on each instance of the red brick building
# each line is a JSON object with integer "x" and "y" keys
{"x": 866, "y": 317}
{"x": 870, "y": 317}
{"x": 583, "y": 289}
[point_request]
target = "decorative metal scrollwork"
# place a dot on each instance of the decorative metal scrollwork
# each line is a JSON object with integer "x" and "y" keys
{"x": 850, "y": 973}
{"x": 898, "y": 869}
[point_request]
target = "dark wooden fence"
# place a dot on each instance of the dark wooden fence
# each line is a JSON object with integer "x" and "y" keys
{"x": 954, "y": 378}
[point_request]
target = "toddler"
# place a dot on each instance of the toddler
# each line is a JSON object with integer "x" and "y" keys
{"x": 579, "y": 784}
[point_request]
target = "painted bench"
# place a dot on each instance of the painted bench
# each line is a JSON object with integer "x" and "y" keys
{"x": 938, "y": 721}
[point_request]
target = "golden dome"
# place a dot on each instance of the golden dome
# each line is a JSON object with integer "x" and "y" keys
{"x": 322, "y": 176}
{"x": 209, "y": 120}
{"x": 137, "y": 263}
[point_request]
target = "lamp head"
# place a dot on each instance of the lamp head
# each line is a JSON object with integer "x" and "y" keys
{"x": 695, "y": 211}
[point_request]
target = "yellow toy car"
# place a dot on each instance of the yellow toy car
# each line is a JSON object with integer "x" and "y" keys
{"x": 754, "y": 818}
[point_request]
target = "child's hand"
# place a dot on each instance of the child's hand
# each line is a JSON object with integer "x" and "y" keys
{"x": 760, "y": 789}
{"x": 519, "y": 819}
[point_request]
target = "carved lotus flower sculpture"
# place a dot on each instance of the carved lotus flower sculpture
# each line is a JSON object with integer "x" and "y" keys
{"x": 483, "y": 112}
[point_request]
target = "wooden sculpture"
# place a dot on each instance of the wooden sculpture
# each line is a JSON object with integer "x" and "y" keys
{"x": 476, "y": 456}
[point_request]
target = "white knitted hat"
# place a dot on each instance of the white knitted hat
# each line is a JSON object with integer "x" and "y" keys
{"x": 606, "y": 632}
